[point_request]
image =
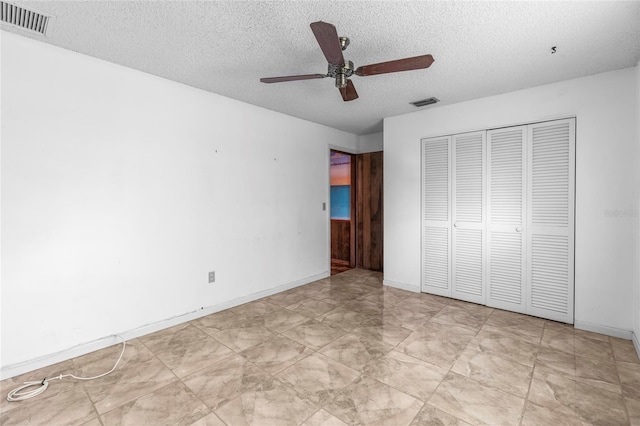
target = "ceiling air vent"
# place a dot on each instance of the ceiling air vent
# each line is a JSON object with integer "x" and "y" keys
{"x": 21, "y": 17}
{"x": 425, "y": 102}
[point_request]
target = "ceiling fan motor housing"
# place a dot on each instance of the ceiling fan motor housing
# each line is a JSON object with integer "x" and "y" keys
{"x": 341, "y": 73}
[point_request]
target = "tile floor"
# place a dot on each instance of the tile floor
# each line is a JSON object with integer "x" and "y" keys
{"x": 346, "y": 350}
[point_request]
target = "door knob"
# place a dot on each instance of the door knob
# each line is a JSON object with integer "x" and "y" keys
{"x": 518, "y": 228}
{"x": 455, "y": 225}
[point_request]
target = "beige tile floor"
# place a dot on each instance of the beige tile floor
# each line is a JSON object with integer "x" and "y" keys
{"x": 346, "y": 350}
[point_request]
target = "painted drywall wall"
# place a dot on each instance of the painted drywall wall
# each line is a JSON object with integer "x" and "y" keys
{"x": 604, "y": 105}
{"x": 121, "y": 191}
{"x": 370, "y": 143}
{"x": 636, "y": 305}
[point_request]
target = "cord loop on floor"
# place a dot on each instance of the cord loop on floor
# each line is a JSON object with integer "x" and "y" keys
{"x": 19, "y": 393}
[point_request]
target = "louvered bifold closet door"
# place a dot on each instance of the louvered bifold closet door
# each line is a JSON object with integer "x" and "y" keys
{"x": 550, "y": 219}
{"x": 469, "y": 193}
{"x": 436, "y": 216}
{"x": 506, "y": 189}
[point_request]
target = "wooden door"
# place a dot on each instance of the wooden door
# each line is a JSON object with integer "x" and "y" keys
{"x": 369, "y": 218}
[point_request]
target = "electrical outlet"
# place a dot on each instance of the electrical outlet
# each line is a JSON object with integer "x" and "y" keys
{"x": 212, "y": 276}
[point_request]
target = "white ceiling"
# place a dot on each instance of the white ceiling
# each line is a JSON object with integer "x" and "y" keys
{"x": 225, "y": 47}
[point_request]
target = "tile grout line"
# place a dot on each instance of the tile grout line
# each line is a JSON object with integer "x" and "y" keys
{"x": 92, "y": 404}
{"x": 624, "y": 399}
{"x": 533, "y": 370}
{"x": 175, "y": 380}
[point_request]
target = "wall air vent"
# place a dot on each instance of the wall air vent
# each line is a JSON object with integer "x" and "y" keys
{"x": 21, "y": 17}
{"x": 424, "y": 102}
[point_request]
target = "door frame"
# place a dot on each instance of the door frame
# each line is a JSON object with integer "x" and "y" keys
{"x": 352, "y": 206}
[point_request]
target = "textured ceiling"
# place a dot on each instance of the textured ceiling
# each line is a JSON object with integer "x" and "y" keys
{"x": 225, "y": 47}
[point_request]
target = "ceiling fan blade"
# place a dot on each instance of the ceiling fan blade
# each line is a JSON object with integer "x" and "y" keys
{"x": 407, "y": 64}
{"x": 329, "y": 42}
{"x": 291, "y": 78}
{"x": 349, "y": 93}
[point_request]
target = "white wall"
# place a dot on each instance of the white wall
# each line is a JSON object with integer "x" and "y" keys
{"x": 636, "y": 305}
{"x": 370, "y": 143}
{"x": 121, "y": 190}
{"x": 604, "y": 105}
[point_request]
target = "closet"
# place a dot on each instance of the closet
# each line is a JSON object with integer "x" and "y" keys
{"x": 498, "y": 217}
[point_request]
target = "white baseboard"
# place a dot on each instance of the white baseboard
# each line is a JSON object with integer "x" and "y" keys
{"x": 636, "y": 343}
{"x": 87, "y": 347}
{"x": 402, "y": 286}
{"x": 603, "y": 329}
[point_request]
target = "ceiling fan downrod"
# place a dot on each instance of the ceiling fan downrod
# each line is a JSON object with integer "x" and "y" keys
{"x": 341, "y": 77}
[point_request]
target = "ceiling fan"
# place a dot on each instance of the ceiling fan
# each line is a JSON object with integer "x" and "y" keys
{"x": 332, "y": 47}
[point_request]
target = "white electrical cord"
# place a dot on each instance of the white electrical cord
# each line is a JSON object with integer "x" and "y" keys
{"x": 19, "y": 394}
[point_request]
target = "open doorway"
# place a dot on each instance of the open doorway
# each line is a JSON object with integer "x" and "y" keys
{"x": 342, "y": 215}
{"x": 356, "y": 211}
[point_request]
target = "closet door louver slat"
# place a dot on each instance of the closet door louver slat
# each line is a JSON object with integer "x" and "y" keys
{"x": 436, "y": 258}
{"x": 468, "y": 270}
{"x": 436, "y": 179}
{"x": 468, "y": 178}
{"x": 506, "y": 285}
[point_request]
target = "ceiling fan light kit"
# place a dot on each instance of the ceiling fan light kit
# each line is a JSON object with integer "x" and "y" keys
{"x": 332, "y": 47}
